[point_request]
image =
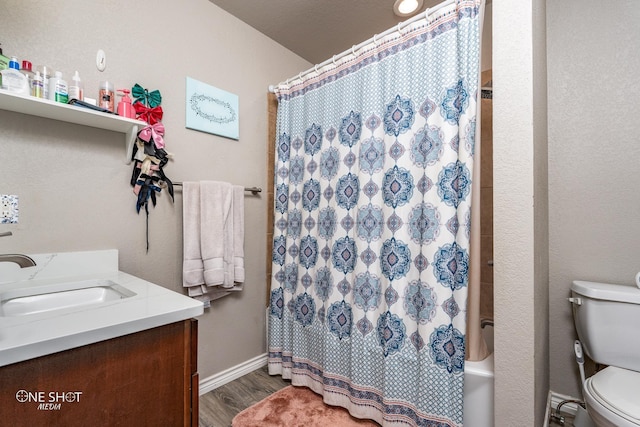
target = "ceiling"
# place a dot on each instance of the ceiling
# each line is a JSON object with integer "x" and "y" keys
{"x": 317, "y": 29}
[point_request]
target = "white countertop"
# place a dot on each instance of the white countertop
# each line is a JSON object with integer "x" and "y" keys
{"x": 29, "y": 336}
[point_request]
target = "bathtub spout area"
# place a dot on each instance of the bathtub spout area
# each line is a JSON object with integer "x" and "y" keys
{"x": 479, "y": 387}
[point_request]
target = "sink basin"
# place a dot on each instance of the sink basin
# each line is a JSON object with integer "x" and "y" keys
{"x": 32, "y": 300}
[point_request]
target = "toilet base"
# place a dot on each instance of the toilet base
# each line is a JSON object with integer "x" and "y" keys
{"x": 582, "y": 418}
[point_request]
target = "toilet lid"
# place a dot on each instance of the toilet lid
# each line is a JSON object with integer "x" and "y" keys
{"x": 618, "y": 389}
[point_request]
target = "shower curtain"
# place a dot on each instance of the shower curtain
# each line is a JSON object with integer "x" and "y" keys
{"x": 373, "y": 175}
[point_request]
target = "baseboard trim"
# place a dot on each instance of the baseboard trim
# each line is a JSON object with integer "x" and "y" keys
{"x": 570, "y": 408}
{"x": 228, "y": 375}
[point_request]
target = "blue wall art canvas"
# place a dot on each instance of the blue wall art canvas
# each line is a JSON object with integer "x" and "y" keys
{"x": 212, "y": 110}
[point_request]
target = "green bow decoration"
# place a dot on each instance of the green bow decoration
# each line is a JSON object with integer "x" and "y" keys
{"x": 150, "y": 99}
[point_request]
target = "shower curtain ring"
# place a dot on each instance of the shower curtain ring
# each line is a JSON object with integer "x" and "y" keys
{"x": 333, "y": 59}
{"x": 300, "y": 76}
{"x": 353, "y": 50}
{"x": 399, "y": 25}
{"x": 375, "y": 41}
{"x": 315, "y": 67}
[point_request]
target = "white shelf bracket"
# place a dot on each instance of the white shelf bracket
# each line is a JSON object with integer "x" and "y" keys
{"x": 130, "y": 139}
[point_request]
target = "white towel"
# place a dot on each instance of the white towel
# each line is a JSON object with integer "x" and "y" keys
{"x": 238, "y": 237}
{"x": 192, "y": 267}
{"x": 234, "y": 242}
{"x": 215, "y": 214}
{"x": 213, "y": 239}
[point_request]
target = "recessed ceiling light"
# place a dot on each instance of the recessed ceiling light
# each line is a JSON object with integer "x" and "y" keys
{"x": 406, "y": 7}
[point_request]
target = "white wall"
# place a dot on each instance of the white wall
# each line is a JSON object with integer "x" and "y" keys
{"x": 520, "y": 213}
{"x": 72, "y": 182}
{"x": 594, "y": 153}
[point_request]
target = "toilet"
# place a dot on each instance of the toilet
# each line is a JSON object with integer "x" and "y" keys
{"x": 607, "y": 319}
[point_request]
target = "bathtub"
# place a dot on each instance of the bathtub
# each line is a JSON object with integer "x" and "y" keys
{"x": 478, "y": 386}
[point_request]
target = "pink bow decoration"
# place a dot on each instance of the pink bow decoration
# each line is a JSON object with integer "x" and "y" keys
{"x": 155, "y": 132}
{"x": 149, "y": 115}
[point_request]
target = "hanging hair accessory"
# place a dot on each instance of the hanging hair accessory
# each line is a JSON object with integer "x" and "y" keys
{"x": 153, "y": 133}
{"x": 148, "y": 177}
{"x": 150, "y": 115}
{"x": 150, "y": 99}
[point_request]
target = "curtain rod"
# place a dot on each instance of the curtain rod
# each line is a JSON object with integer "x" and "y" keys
{"x": 374, "y": 39}
{"x": 254, "y": 190}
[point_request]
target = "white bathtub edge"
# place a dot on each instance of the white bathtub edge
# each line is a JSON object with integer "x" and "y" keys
{"x": 479, "y": 387}
{"x": 482, "y": 368}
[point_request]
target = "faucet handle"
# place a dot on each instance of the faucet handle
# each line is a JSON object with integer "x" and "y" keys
{"x": 6, "y": 233}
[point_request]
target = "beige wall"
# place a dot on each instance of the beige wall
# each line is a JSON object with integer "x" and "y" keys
{"x": 594, "y": 153}
{"x": 72, "y": 181}
{"x": 487, "y": 35}
{"x": 591, "y": 64}
{"x": 520, "y": 213}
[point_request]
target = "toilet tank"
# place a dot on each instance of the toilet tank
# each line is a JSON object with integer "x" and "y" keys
{"x": 607, "y": 319}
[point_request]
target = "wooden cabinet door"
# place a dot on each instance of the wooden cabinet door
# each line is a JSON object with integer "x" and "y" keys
{"x": 142, "y": 379}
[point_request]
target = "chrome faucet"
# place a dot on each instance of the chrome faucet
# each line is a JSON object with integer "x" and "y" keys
{"x": 22, "y": 260}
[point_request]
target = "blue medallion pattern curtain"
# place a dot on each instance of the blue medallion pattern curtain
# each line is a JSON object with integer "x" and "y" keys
{"x": 374, "y": 160}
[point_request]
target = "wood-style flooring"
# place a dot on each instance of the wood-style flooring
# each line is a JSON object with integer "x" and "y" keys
{"x": 219, "y": 406}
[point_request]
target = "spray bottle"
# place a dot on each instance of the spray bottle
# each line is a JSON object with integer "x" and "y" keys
{"x": 75, "y": 88}
{"x": 125, "y": 109}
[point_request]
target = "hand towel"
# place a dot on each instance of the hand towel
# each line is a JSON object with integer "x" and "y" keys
{"x": 213, "y": 239}
{"x": 192, "y": 266}
{"x": 215, "y": 211}
{"x": 228, "y": 246}
{"x": 234, "y": 242}
{"x": 238, "y": 237}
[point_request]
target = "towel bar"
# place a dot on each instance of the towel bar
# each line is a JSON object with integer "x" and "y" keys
{"x": 254, "y": 190}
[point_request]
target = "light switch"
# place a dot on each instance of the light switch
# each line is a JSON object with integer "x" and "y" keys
{"x": 8, "y": 209}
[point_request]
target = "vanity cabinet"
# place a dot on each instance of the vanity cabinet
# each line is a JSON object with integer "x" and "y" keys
{"x": 147, "y": 378}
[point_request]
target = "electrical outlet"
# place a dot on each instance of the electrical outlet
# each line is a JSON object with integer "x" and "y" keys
{"x": 8, "y": 209}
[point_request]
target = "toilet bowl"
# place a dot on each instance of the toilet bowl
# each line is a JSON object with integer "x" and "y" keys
{"x": 606, "y": 318}
{"x": 611, "y": 396}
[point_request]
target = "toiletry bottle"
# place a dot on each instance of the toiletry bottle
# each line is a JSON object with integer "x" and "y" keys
{"x": 125, "y": 109}
{"x": 58, "y": 89}
{"x": 36, "y": 85}
{"x": 75, "y": 88}
{"x": 45, "y": 73}
{"x": 105, "y": 95}
{"x": 13, "y": 80}
{"x": 26, "y": 70}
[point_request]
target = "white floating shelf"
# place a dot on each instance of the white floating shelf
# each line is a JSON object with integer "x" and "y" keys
{"x": 68, "y": 113}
